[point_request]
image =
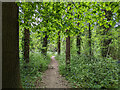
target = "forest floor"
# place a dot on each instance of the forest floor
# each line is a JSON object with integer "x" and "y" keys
{"x": 51, "y": 77}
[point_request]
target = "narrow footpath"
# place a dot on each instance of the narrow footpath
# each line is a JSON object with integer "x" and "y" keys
{"x": 51, "y": 77}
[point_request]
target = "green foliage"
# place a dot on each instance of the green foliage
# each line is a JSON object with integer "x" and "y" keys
{"x": 30, "y": 72}
{"x": 60, "y": 14}
{"x": 52, "y": 17}
{"x": 96, "y": 73}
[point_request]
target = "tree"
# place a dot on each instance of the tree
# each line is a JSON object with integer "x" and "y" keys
{"x": 90, "y": 48}
{"x": 68, "y": 42}
{"x": 44, "y": 45}
{"x": 118, "y": 44}
{"x": 78, "y": 40}
{"x": 10, "y": 46}
{"x": 59, "y": 42}
{"x": 26, "y": 45}
{"x": 67, "y": 51}
{"x": 79, "y": 44}
{"x": 25, "y": 16}
{"x": 26, "y": 36}
{"x": 106, "y": 41}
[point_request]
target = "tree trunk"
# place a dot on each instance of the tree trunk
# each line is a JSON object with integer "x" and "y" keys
{"x": 78, "y": 41}
{"x": 118, "y": 45}
{"x": 68, "y": 52}
{"x": 106, "y": 42}
{"x": 10, "y": 46}
{"x": 44, "y": 50}
{"x": 59, "y": 43}
{"x": 78, "y": 44}
{"x": 68, "y": 44}
{"x": 90, "y": 49}
{"x": 105, "y": 49}
{"x": 26, "y": 45}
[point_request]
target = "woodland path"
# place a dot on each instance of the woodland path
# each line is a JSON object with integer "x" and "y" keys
{"x": 51, "y": 77}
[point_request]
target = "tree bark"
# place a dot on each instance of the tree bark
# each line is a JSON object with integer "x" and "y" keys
{"x": 90, "y": 49}
{"x": 26, "y": 45}
{"x": 10, "y": 46}
{"x": 68, "y": 52}
{"x": 78, "y": 41}
{"x": 44, "y": 50}
{"x": 106, "y": 42}
{"x": 78, "y": 44}
{"x": 68, "y": 44}
{"x": 58, "y": 42}
{"x": 118, "y": 45}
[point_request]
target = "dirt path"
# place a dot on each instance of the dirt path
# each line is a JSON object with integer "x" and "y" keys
{"x": 51, "y": 77}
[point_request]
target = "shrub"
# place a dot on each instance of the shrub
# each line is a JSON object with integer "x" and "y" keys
{"x": 94, "y": 73}
{"x": 31, "y": 71}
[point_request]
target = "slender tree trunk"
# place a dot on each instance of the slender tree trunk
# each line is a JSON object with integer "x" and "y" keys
{"x": 44, "y": 50}
{"x": 10, "y": 46}
{"x": 22, "y": 44}
{"x": 58, "y": 42}
{"x": 68, "y": 45}
{"x": 78, "y": 41}
{"x": 90, "y": 49}
{"x": 68, "y": 52}
{"x": 78, "y": 44}
{"x": 106, "y": 42}
{"x": 119, "y": 45}
{"x": 105, "y": 49}
{"x": 26, "y": 45}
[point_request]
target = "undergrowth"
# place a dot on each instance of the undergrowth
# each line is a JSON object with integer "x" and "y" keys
{"x": 31, "y": 71}
{"x": 94, "y": 73}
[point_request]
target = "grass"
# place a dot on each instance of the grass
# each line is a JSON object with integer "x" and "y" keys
{"x": 94, "y": 73}
{"x": 31, "y": 71}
